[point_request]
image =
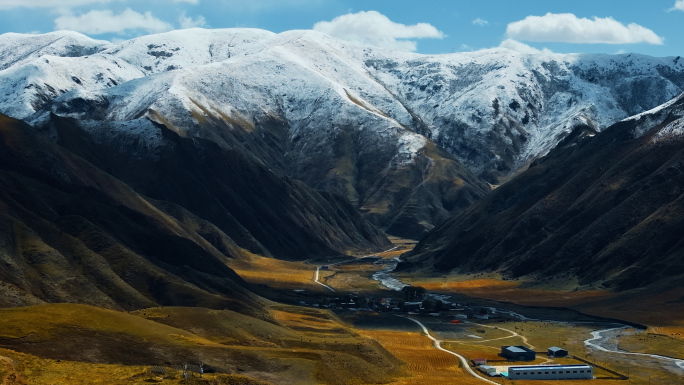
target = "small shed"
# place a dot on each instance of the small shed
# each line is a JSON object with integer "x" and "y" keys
{"x": 489, "y": 370}
{"x": 479, "y": 361}
{"x": 555, "y": 351}
{"x": 410, "y": 306}
{"x": 518, "y": 353}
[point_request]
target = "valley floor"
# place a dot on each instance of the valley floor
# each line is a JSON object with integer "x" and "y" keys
{"x": 569, "y": 329}
{"x": 319, "y": 339}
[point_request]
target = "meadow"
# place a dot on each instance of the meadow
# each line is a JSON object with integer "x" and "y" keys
{"x": 71, "y": 344}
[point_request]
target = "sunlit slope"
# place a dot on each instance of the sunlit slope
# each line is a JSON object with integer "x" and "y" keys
{"x": 275, "y": 350}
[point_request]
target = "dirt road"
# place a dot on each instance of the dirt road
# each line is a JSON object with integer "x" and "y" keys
{"x": 438, "y": 345}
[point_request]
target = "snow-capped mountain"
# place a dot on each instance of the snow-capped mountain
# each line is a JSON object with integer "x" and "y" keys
{"x": 363, "y": 122}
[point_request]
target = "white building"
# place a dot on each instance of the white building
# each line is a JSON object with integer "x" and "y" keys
{"x": 551, "y": 372}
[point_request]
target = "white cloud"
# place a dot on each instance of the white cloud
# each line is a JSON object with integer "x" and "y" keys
{"x": 62, "y": 4}
{"x": 188, "y": 22}
{"x": 268, "y": 5}
{"x": 568, "y": 28}
{"x": 480, "y": 21}
{"x": 99, "y": 22}
{"x": 374, "y": 28}
{"x": 9, "y": 4}
{"x": 679, "y": 6}
{"x": 522, "y": 47}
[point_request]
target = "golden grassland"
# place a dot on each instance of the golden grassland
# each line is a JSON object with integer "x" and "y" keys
{"x": 653, "y": 343}
{"x": 356, "y": 279}
{"x": 425, "y": 364}
{"x": 429, "y": 366}
{"x": 286, "y": 275}
{"x": 24, "y": 369}
{"x": 662, "y": 311}
{"x": 290, "y": 344}
{"x": 541, "y": 335}
{"x": 276, "y": 273}
{"x": 508, "y": 291}
{"x": 69, "y": 343}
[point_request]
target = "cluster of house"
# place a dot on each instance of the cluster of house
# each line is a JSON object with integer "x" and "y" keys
{"x": 535, "y": 372}
{"x": 398, "y": 305}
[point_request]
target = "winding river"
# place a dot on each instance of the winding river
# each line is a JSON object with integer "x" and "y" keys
{"x": 604, "y": 340}
{"x": 385, "y": 277}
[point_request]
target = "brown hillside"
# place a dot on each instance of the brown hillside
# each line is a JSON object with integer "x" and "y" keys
{"x": 604, "y": 210}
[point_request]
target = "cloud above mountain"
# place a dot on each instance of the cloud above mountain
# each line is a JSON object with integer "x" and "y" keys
{"x": 101, "y": 22}
{"x": 568, "y": 28}
{"x": 374, "y": 28}
{"x": 189, "y": 22}
{"x": 522, "y": 47}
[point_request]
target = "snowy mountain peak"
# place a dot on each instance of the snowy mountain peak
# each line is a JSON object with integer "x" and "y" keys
{"x": 337, "y": 115}
{"x": 528, "y": 102}
{"x": 17, "y": 49}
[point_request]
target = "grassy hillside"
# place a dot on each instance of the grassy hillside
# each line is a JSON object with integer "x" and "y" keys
{"x": 297, "y": 345}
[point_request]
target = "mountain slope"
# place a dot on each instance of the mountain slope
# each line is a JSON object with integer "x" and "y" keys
{"x": 360, "y": 122}
{"x": 602, "y": 208}
{"x": 260, "y": 210}
{"x": 72, "y": 232}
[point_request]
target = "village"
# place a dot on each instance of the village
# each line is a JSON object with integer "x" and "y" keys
{"x": 424, "y": 325}
{"x": 454, "y": 320}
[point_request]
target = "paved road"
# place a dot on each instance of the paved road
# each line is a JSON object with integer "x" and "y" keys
{"x": 438, "y": 344}
{"x": 318, "y": 270}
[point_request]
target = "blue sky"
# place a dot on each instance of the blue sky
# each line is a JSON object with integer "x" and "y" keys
{"x": 429, "y": 26}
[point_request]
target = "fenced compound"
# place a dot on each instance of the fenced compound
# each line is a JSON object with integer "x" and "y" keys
{"x": 159, "y": 370}
{"x": 619, "y": 375}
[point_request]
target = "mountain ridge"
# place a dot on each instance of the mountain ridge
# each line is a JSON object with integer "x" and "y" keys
{"x": 340, "y": 116}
